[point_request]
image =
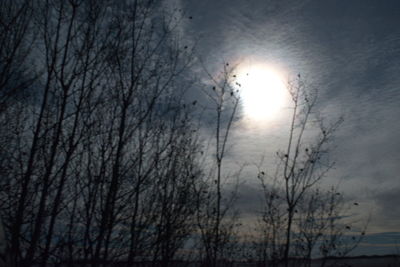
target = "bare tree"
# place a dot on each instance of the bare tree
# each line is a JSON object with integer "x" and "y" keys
{"x": 17, "y": 37}
{"x": 65, "y": 50}
{"x": 302, "y": 165}
{"x": 320, "y": 212}
{"x": 312, "y": 221}
{"x": 215, "y": 222}
{"x": 105, "y": 149}
{"x": 341, "y": 235}
{"x": 16, "y": 79}
{"x": 270, "y": 247}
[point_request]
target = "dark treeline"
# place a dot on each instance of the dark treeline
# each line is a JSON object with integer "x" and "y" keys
{"x": 100, "y": 156}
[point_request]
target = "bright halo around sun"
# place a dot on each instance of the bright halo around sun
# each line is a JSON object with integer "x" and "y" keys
{"x": 263, "y": 92}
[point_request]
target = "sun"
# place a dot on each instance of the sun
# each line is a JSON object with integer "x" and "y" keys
{"x": 263, "y": 92}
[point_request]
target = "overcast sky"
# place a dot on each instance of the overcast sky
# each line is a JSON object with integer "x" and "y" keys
{"x": 350, "y": 50}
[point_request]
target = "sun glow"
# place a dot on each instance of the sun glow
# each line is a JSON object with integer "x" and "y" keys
{"x": 263, "y": 92}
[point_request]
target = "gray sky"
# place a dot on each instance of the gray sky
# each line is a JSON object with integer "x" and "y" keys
{"x": 350, "y": 50}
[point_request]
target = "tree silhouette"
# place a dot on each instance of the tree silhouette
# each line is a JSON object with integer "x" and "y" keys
{"x": 292, "y": 198}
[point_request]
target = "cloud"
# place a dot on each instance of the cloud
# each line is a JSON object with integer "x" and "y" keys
{"x": 350, "y": 52}
{"x": 387, "y": 202}
{"x": 249, "y": 199}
